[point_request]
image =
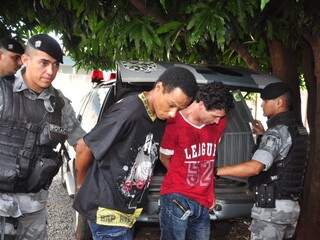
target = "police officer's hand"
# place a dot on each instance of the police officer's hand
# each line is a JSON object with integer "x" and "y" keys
{"x": 212, "y": 205}
{"x": 257, "y": 127}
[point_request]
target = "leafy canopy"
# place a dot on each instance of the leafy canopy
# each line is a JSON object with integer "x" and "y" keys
{"x": 96, "y": 33}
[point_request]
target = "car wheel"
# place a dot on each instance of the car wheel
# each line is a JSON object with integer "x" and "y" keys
{"x": 82, "y": 229}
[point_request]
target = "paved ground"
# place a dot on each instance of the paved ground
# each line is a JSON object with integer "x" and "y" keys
{"x": 61, "y": 221}
{"x": 60, "y": 213}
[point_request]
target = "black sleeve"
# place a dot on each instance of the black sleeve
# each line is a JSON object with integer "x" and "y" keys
{"x": 112, "y": 127}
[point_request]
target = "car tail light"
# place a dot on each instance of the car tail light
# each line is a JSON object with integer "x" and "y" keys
{"x": 112, "y": 76}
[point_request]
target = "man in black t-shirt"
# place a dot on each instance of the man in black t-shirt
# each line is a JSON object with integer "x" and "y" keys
{"x": 114, "y": 161}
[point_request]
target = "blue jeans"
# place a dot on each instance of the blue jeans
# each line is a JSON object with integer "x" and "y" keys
{"x": 100, "y": 232}
{"x": 182, "y": 218}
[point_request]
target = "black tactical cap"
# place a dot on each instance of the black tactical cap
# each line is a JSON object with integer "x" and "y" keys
{"x": 47, "y": 44}
{"x": 12, "y": 45}
{"x": 274, "y": 90}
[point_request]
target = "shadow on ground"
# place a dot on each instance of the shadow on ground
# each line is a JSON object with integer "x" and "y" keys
{"x": 236, "y": 229}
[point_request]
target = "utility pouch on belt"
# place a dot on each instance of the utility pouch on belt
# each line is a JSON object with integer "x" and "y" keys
{"x": 46, "y": 167}
{"x": 264, "y": 196}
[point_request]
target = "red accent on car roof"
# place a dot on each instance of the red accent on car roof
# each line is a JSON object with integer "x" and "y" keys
{"x": 97, "y": 75}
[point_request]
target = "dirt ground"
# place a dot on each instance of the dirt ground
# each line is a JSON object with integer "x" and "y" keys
{"x": 236, "y": 229}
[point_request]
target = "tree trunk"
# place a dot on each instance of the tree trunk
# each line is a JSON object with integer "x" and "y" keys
{"x": 310, "y": 221}
{"x": 284, "y": 66}
{"x": 243, "y": 52}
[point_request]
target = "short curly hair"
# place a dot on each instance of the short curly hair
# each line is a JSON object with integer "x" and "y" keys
{"x": 215, "y": 96}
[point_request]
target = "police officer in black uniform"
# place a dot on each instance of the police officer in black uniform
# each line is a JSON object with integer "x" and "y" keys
{"x": 34, "y": 118}
{"x": 277, "y": 167}
{"x": 10, "y": 56}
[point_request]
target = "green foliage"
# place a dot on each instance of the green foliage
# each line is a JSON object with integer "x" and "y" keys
{"x": 302, "y": 82}
{"x": 251, "y": 96}
{"x": 207, "y": 22}
{"x": 263, "y": 3}
{"x": 168, "y": 27}
{"x": 163, "y": 4}
{"x": 281, "y": 21}
{"x": 96, "y": 33}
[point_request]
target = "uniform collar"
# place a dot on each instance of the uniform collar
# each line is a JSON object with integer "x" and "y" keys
{"x": 47, "y": 95}
{"x": 19, "y": 86}
{"x": 283, "y": 118}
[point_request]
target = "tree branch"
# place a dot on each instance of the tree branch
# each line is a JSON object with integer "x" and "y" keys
{"x": 243, "y": 52}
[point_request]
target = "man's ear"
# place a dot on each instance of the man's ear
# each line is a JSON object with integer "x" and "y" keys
{"x": 280, "y": 101}
{"x": 25, "y": 59}
{"x": 159, "y": 87}
{"x": 201, "y": 105}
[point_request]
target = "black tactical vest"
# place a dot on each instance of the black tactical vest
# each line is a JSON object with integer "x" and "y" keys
{"x": 287, "y": 175}
{"x": 28, "y": 135}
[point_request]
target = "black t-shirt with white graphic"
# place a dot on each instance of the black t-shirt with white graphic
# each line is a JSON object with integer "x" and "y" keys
{"x": 125, "y": 146}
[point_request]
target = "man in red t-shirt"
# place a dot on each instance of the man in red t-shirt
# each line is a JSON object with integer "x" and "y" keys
{"x": 188, "y": 150}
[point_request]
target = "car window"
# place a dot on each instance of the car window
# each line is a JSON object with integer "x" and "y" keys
{"x": 237, "y": 141}
{"x": 93, "y": 107}
{"x": 83, "y": 104}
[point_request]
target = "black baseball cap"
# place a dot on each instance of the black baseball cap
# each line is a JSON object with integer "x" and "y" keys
{"x": 12, "y": 45}
{"x": 47, "y": 44}
{"x": 274, "y": 90}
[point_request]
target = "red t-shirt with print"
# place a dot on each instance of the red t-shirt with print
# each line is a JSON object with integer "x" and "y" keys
{"x": 193, "y": 150}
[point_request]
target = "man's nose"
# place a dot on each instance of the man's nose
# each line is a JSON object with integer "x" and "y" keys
{"x": 50, "y": 69}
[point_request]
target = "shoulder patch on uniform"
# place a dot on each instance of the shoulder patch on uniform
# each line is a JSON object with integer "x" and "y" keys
{"x": 270, "y": 141}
